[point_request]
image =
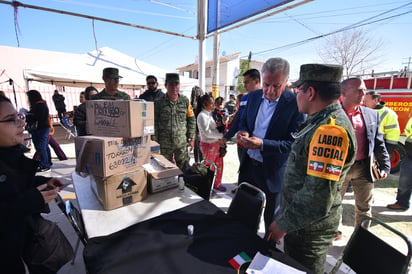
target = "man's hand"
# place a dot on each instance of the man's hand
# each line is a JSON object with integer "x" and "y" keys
{"x": 383, "y": 174}
{"x": 249, "y": 142}
{"x": 242, "y": 134}
{"x": 277, "y": 233}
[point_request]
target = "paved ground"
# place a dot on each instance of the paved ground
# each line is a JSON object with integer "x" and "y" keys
{"x": 383, "y": 196}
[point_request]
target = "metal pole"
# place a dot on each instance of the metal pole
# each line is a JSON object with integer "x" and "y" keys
{"x": 215, "y": 81}
{"x": 201, "y": 36}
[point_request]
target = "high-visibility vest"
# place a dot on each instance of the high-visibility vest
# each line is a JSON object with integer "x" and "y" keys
{"x": 389, "y": 125}
{"x": 408, "y": 141}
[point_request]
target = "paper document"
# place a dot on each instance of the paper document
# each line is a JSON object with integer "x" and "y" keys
{"x": 265, "y": 265}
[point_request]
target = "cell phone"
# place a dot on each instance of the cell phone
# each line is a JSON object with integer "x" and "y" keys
{"x": 63, "y": 186}
{"x": 60, "y": 187}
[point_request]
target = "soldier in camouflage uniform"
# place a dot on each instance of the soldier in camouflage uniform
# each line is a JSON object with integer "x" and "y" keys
{"x": 111, "y": 81}
{"x": 175, "y": 123}
{"x": 323, "y": 152}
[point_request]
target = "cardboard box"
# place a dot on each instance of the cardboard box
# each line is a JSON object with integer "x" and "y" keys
{"x": 161, "y": 174}
{"x": 120, "y": 118}
{"x": 105, "y": 156}
{"x": 120, "y": 189}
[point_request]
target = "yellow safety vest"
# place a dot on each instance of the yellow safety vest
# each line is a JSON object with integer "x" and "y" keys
{"x": 389, "y": 125}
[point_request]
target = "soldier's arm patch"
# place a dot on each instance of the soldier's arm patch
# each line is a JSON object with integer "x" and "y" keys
{"x": 189, "y": 112}
{"x": 328, "y": 151}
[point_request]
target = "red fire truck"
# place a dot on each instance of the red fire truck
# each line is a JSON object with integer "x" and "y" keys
{"x": 396, "y": 90}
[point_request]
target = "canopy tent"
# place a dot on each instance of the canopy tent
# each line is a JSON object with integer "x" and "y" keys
{"x": 86, "y": 69}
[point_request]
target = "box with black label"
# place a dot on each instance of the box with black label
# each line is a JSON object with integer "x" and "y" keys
{"x": 121, "y": 189}
{"x": 161, "y": 174}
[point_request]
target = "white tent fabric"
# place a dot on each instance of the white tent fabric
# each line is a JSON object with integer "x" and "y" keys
{"x": 86, "y": 69}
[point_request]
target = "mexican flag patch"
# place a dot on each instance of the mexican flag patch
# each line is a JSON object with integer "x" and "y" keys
{"x": 239, "y": 259}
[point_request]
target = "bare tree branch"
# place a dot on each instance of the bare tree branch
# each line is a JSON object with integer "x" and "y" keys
{"x": 353, "y": 49}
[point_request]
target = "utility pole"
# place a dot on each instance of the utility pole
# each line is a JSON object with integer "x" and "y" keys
{"x": 408, "y": 63}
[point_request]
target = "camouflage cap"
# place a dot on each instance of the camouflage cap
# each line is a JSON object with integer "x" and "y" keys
{"x": 172, "y": 78}
{"x": 111, "y": 73}
{"x": 320, "y": 73}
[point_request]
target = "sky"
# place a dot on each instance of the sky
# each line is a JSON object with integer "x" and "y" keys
{"x": 282, "y": 35}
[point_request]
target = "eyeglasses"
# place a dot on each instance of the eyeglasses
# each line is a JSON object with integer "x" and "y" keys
{"x": 151, "y": 83}
{"x": 19, "y": 117}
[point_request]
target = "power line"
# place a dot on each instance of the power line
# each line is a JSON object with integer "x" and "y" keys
{"x": 352, "y": 26}
{"x": 16, "y": 4}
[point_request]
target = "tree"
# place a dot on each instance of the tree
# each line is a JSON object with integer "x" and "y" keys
{"x": 353, "y": 49}
{"x": 244, "y": 66}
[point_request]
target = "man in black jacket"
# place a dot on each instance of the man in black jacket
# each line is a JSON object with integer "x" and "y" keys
{"x": 152, "y": 93}
{"x": 58, "y": 100}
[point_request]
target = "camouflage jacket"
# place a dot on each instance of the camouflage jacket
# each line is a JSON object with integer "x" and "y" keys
{"x": 175, "y": 122}
{"x": 105, "y": 96}
{"x": 307, "y": 201}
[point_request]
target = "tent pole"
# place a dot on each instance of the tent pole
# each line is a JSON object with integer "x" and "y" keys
{"x": 201, "y": 36}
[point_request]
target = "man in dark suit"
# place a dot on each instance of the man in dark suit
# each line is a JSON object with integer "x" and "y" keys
{"x": 371, "y": 144}
{"x": 271, "y": 115}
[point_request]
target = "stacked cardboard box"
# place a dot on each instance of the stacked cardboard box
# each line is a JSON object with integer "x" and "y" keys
{"x": 119, "y": 118}
{"x": 117, "y": 149}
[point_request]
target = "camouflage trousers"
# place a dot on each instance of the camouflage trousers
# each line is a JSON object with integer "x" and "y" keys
{"x": 310, "y": 246}
{"x": 178, "y": 154}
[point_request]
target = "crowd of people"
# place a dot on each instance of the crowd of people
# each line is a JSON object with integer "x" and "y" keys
{"x": 296, "y": 142}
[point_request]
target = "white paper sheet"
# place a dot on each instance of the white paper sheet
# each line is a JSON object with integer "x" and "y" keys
{"x": 264, "y": 265}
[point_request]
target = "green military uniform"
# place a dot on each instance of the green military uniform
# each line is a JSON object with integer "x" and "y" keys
{"x": 103, "y": 95}
{"x": 175, "y": 125}
{"x": 389, "y": 126}
{"x": 231, "y": 106}
{"x": 310, "y": 206}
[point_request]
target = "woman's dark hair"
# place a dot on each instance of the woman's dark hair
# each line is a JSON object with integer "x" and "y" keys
{"x": 195, "y": 95}
{"x": 4, "y": 99}
{"x": 219, "y": 100}
{"x": 87, "y": 92}
{"x": 202, "y": 100}
{"x": 34, "y": 96}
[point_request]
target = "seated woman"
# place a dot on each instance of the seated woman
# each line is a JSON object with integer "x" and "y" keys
{"x": 210, "y": 136}
{"x": 23, "y": 195}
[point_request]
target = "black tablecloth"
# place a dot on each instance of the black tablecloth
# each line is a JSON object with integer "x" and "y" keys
{"x": 162, "y": 244}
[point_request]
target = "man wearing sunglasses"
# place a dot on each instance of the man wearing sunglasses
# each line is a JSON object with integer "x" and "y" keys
{"x": 151, "y": 93}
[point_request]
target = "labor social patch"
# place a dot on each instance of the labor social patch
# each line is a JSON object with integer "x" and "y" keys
{"x": 328, "y": 151}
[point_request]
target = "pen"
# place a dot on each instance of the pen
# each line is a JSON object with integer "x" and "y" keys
{"x": 269, "y": 237}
